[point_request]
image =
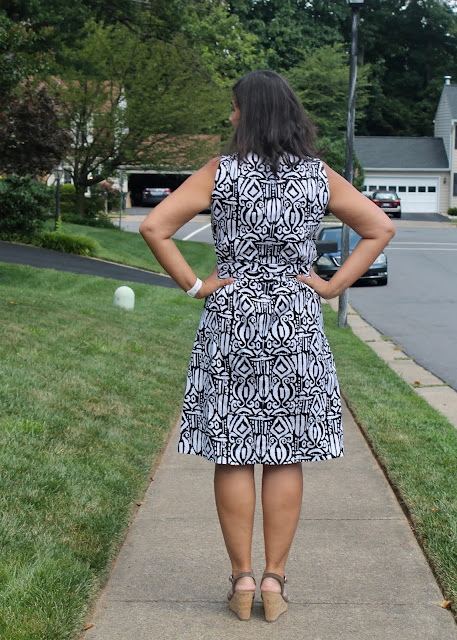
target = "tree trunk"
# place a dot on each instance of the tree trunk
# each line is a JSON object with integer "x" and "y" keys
{"x": 80, "y": 199}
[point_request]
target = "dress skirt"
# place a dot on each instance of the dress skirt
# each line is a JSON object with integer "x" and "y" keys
{"x": 261, "y": 385}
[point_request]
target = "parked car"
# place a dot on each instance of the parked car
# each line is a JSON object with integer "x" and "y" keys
{"x": 154, "y": 195}
{"x": 328, "y": 262}
{"x": 388, "y": 201}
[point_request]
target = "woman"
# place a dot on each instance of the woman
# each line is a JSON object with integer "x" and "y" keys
{"x": 261, "y": 385}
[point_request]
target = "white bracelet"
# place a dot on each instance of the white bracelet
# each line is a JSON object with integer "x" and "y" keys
{"x": 195, "y": 289}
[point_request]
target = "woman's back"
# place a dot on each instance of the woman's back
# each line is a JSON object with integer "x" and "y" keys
{"x": 264, "y": 224}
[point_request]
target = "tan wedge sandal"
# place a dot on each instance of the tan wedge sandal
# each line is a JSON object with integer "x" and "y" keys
{"x": 274, "y": 604}
{"x": 241, "y": 601}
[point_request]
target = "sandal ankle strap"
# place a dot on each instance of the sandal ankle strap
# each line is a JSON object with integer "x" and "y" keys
{"x": 277, "y": 577}
{"x": 244, "y": 574}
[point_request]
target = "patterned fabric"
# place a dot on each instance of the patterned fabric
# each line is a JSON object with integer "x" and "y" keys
{"x": 261, "y": 385}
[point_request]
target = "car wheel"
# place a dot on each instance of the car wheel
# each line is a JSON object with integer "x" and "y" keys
{"x": 397, "y": 215}
{"x": 382, "y": 281}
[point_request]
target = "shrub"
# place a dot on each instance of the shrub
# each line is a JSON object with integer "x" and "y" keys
{"x": 452, "y": 211}
{"x": 67, "y": 200}
{"x": 24, "y": 206}
{"x": 68, "y": 243}
{"x": 69, "y": 206}
{"x": 102, "y": 220}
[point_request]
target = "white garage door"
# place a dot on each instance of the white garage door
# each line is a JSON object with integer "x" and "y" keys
{"x": 418, "y": 195}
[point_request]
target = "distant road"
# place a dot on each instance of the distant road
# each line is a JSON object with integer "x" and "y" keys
{"x": 418, "y": 308}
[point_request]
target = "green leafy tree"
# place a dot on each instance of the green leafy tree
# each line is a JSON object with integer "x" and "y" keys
{"x": 31, "y": 140}
{"x": 287, "y": 28}
{"x": 135, "y": 102}
{"x": 321, "y": 81}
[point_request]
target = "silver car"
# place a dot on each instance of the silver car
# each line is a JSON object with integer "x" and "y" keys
{"x": 154, "y": 195}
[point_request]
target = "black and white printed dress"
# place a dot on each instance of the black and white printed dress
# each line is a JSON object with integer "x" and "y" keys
{"x": 261, "y": 385}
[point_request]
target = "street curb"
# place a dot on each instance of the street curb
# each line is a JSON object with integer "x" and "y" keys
{"x": 435, "y": 391}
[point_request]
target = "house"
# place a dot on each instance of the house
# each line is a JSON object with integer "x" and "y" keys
{"x": 422, "y": 170}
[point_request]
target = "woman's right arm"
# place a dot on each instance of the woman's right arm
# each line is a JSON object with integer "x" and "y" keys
{"x": 367, "y": 219}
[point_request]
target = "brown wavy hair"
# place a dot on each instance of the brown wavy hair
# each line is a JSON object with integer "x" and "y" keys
{"x": 273, "y": 123}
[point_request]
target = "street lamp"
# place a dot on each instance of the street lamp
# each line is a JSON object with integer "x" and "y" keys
{"x": 58, "y": 173}
{"x": 355, "y": 5}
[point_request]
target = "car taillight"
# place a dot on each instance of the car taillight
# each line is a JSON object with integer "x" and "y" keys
{"x": 397, "y": 203}
{"x": 145, "y": 191}
{"x": 376, "y": 201}
{"x": 167, "y": 191}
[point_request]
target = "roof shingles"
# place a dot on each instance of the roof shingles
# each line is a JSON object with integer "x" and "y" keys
{"x": 401, "y": 152}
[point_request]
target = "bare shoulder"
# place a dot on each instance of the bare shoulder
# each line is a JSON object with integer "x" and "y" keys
{"x": 212, "y": 166}
{"x": 334, "y": 177}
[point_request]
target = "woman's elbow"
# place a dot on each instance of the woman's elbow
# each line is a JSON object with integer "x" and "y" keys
{"x": 387, "y": 230}
{"x": 390, "y": 229}
{"x": 148, "y": 229}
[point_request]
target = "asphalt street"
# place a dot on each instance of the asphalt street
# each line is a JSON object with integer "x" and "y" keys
{"x": 418, "y": 308}
{"x": 45, "y": 258}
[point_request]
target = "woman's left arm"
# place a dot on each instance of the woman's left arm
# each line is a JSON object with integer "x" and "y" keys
{"x": 362, "y": 215}
{"x": 193, "y": 196}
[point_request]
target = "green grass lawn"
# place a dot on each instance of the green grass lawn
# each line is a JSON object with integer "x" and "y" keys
{"x": 88, "y": 394}
{"x": 415, "y": 444}
{"x": 130, "y": 248}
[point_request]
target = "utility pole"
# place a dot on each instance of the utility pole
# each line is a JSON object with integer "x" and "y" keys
{"x": 349, "y": 163}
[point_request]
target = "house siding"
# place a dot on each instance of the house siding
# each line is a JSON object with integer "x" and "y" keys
{"x": 443, "y": 124}
{"x": 453, "y": 164}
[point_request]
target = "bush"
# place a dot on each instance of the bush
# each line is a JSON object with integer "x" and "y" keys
{"x": 68, "y": 243}
{"x": 94, "y": 204}
{"x": 67, "y": 200}
{"x": 69, "y": 207}
{"x": 452, "y": 211}
{"x": 102, "y": 220}
{"x": 24, "y": 206}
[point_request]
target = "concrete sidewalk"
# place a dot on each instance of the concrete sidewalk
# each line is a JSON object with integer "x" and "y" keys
{"x": 355, "y": 570}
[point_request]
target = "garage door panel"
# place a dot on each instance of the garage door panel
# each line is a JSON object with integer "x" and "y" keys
{"x": 418, "y": 195}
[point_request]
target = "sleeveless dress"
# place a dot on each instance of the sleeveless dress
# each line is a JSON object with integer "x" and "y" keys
{"x": 261, "y": 384}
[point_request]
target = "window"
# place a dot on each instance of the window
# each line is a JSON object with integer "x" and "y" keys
{"x": 402, "y": 189}
{"x": 432, "y": 189}
{"x": 365, "y": 188}
{"x": 372, "y": 187}
{"x": 422, "y": 189}
{"x": 387, "y": 195}
{"x": 412, "y": 189}
{"x": 392, "y": 188}
{"x": 455, "y": 185}
{"x": 455, "y": 139}
{"x": 383, "y": 188}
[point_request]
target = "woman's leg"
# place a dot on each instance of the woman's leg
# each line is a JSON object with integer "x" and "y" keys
{"x": 282, "y": 492}
{"x": 234, "y": 489}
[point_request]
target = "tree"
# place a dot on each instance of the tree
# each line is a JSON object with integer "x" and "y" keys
{"x": 31, "y": 140}
{"x": 409, "y": 44}
{"x": 288, "y": 28}
{"x": 321, "y": 81}
{"x": 127, "y": 101}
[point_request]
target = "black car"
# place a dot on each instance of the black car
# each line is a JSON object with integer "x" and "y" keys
{"x": 328, "y": 263}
